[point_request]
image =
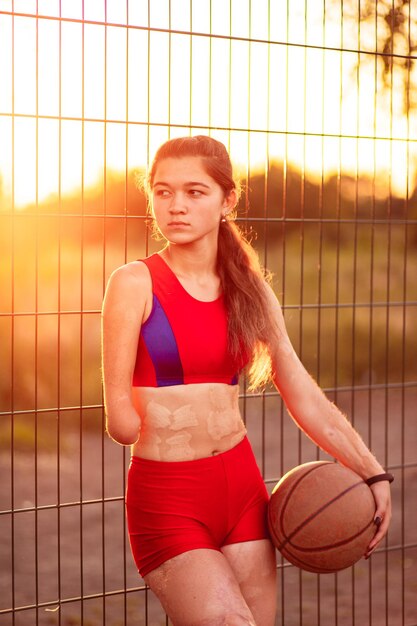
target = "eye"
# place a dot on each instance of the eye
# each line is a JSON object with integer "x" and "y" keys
{"x": 162, "y": 193}
{"x": 195, "y": 193}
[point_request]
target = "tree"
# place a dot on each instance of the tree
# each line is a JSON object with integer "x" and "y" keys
{"x": 394, "y": 23}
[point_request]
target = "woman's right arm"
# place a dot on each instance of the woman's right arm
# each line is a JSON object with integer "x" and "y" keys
{"x": 127, "y": 294}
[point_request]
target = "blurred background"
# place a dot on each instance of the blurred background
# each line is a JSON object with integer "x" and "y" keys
{"x": 316, "y": 102}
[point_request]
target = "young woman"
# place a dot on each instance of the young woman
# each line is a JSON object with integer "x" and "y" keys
{"x": 178, "y": 328}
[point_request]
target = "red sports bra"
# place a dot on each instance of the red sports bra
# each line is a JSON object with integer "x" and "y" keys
{"x": 184, "y": 340}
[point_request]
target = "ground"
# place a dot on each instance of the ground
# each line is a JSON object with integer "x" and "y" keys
{"x": 382, "y": 591}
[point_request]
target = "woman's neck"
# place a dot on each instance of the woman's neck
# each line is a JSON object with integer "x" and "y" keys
{"x": 190, "y": 261}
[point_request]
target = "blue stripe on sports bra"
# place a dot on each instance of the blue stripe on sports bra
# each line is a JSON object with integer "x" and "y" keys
{"x": 162, "y": 347}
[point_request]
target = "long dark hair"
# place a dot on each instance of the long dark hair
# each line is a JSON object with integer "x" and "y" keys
{"x": 250, "y": 326}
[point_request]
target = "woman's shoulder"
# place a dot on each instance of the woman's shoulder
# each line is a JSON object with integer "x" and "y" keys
{"x": 131, "y": 280}
{"x": 134, "y": 272}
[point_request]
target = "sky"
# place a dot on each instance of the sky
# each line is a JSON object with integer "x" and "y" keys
{"x": 249, "y": 65}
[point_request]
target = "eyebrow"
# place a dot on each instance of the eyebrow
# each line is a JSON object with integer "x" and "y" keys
{"x": 190, "y": 184}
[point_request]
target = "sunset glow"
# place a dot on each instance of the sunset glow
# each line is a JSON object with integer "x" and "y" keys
{"x": 72, "y": 86}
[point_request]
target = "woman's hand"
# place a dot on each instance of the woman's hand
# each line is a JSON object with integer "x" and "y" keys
{"x": 382, "y": 495}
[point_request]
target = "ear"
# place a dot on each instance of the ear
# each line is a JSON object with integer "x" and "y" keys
{"x": 230, "y": 201}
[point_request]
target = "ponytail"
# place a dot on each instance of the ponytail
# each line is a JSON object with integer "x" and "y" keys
{"x": 250, "y": 326}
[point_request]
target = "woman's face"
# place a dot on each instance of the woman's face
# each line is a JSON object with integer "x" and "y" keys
{"x": 187, "y": 203}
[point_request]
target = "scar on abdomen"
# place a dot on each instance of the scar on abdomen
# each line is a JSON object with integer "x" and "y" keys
{"x": 158, "y": 415}
{"x": 222, "y": 423}
{"x": 183, "y": 417}
{"x": 179, "y": 448}
{"x": 161, "y": 417}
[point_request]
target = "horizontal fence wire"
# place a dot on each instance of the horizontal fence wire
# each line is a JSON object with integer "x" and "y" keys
{"x": 186, "y": 127}
{"x": 170, "y": 31}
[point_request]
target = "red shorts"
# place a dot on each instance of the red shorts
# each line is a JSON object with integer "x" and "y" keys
{"x": 176, "y": 506}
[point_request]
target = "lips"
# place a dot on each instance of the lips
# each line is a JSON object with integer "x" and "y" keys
{"x": 177, "y": 223}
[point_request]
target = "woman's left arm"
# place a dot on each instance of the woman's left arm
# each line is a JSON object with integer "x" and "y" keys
{"x": 322, "y": 421}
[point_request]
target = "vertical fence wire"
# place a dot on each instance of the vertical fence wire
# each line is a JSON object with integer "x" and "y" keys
{"x": 281, "y": 580}
{"x": 354, "y": 268}
{"x": 81, "y": 338}
{"x": 103, "y": 486}
{"x": 12, "y": 349}
{"x": 403, "y": 337}
{"x": 59, "y": 336}
{"x": 388, "y": 313}
{"x": 148, "y": 112}
{"x": 37, "y": 278}
{"x": 125, "y": 234}
{"x": 320, "y": 256}
{"x": 265, "y": 214}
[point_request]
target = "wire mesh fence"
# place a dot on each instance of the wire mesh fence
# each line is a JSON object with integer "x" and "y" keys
{"x": 315, "y": 101}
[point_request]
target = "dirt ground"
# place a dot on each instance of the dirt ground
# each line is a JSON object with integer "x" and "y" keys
{"x": 49, "y": 552}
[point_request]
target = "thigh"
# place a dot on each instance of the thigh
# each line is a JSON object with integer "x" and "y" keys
{"x": 174, "y": 507}
{"x": 199, "y": 587}
{"x": 254, "y": 566}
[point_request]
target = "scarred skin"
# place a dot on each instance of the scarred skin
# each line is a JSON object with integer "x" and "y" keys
{"x": 196, "y": 421}
{"x": 173, "y": 431}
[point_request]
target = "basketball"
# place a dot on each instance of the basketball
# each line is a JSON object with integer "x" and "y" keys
{"x": 321, "y": 517}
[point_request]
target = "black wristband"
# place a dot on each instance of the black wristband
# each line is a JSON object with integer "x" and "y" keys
{"x": 379, "y": 477}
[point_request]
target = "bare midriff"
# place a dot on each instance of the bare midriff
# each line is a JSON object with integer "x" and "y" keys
{"x": 187, "y": 422}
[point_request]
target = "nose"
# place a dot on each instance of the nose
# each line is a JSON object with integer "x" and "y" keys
{"x": 177, "y": 205}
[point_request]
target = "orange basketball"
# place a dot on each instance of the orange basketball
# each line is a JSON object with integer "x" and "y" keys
{"x": 321, "y": 517}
